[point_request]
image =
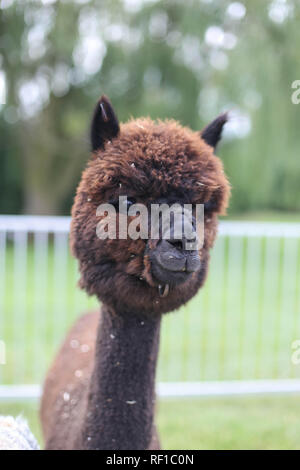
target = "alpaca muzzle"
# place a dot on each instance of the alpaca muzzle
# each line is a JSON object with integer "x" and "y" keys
{"x": 172, "y": 264}
{"x": 171, "y": 256}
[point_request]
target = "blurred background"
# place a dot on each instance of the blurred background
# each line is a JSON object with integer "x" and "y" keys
{"x": 182, "y": 59}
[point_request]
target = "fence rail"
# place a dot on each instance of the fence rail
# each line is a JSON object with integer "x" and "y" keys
{"x": 61, "y": 224}
{"x": 180, "y": 389}
{"x": 242, "y": 325}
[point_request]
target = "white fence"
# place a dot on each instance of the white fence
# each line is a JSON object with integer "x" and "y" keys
{"x": 237, "y": 335}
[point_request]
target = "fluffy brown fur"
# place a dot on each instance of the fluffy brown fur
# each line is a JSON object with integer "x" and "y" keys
{"x": 151, "y": 162}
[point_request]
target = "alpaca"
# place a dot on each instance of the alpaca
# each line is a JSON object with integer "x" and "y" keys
{"x": 16, "y": 435}
{"x": 100, "y": 391}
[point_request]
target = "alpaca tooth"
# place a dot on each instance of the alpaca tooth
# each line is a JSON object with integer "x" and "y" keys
{"x": 163, "y": 290}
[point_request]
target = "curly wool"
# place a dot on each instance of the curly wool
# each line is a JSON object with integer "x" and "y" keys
{"x": 16, "y": 435}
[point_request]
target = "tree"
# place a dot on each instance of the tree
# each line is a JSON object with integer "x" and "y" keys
{"x": 185, "y": 60}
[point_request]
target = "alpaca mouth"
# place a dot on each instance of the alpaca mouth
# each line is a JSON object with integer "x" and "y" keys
{"x": 171, "y": 265}
{"x": 166, "y": 278}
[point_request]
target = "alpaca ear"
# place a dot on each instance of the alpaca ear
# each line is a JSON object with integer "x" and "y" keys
{"x": 212, "y": 133}
{"x": 105, "y": 124}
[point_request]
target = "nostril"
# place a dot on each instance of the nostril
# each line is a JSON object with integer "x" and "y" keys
{"x": 178, "y": 244}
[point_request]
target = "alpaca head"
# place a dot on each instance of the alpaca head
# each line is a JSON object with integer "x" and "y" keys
{"x": 149, "y": 163}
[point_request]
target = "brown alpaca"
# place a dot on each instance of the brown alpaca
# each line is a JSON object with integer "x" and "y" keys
{"x": 99, "y": 393}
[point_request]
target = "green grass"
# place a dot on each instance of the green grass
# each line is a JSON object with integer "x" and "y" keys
{"x": 222, "y": 423}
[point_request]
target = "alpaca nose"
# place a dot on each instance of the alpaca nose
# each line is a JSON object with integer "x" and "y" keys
{"x": 180, "y": 244}
{"x": 175, "y": 256}
{"x": 169, "y": 257}
{"x": 177, "y": 243}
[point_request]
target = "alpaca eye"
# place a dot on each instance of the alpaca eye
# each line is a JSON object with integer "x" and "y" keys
{"x": 130, "y": 202}
{"x": 123, "y": 205}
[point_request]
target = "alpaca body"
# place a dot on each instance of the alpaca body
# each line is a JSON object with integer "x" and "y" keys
{"x": 99, "y": 394}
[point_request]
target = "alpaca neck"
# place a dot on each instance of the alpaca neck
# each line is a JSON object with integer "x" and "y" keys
{"x": 122, "y": 388}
